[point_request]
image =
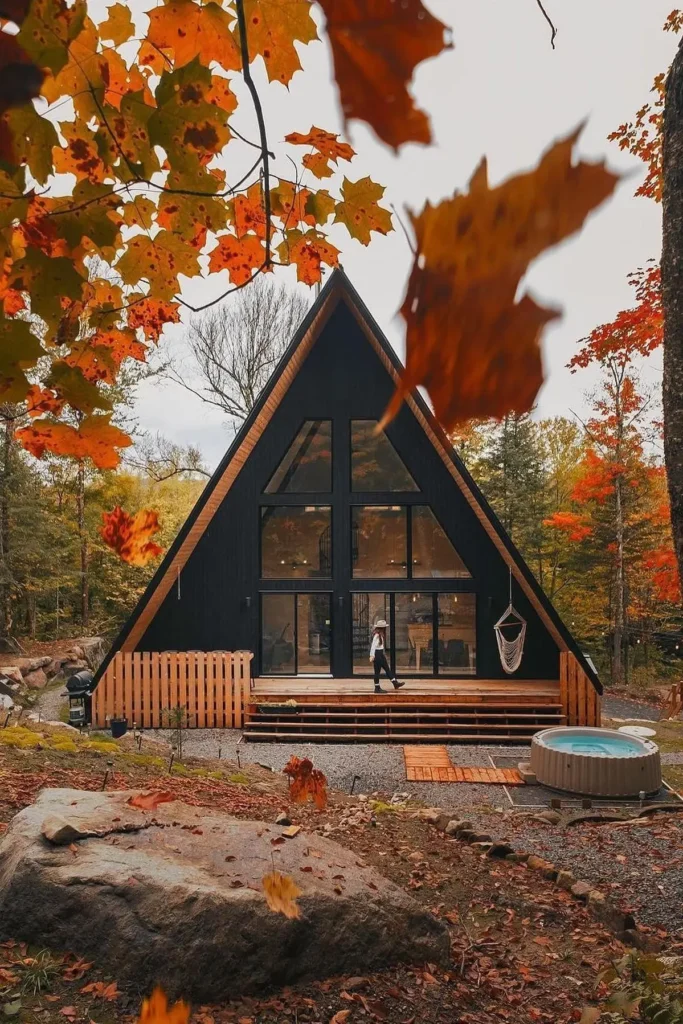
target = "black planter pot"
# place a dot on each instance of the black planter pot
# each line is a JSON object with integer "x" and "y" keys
{"x": 119, "y": 727}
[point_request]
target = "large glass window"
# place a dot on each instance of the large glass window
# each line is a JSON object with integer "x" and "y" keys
{"x": 367, "y": 609}
{"x": 432, "y": 554}
{"x": 296, "y": 542}
{"x": 379, "y": 541}
{"x": 457, "y": 633}
{"x": 307, "y": 466}
{"x": 278, "y": 632}
{"x": 375, "y": 463}
{"x": 414, "y": 633}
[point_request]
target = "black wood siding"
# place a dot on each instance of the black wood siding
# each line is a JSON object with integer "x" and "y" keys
{"x": 216, "y": 604}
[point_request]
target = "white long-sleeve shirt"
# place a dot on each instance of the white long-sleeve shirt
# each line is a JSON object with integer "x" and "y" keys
{"x": 376, "y": 645}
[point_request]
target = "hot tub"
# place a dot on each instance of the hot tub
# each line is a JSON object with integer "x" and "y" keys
{"x": 595, "y": 762}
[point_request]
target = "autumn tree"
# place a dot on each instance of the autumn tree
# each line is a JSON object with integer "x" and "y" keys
{"x": 656, "y": 136}
{"x": 237, "y": 345}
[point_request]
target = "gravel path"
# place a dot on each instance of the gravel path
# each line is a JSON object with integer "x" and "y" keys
{"x": 50, "y": 703}
{"x": 620, "y": 707}
{"x": 640, "y": 865}
{"x": 378, "y": 767}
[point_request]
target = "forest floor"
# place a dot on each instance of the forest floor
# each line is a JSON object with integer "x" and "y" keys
{"x": 523, "y": 949}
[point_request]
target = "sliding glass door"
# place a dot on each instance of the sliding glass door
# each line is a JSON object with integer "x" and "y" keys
{"x": 427, "y": 634}
{"x": 296, "y": 634}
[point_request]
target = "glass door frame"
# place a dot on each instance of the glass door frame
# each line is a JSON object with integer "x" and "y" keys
{"x": 437, "y": 671}
{"x": 295, "y": 594}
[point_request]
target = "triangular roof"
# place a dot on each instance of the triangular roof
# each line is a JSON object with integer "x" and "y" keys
{"x": 337, "y": 289}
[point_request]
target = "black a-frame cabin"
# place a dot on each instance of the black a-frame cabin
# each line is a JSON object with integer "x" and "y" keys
{"x": 315, "y": 526}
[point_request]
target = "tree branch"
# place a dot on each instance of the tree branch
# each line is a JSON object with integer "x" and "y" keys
{"x": 258, "y": 109}
{"x": 553, "y": 30}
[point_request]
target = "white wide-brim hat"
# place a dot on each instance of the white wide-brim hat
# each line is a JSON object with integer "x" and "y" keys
{"x": 381, "y": 624}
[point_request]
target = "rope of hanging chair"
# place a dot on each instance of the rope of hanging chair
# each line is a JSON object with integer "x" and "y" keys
{"x": 510, "y": 651}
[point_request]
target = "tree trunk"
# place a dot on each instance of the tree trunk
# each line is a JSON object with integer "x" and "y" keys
{"x": 619, "y": 596}
{"x": 5, "y": 568}
{"x": 83, "y": 541}
{"x": 672, "y": 296}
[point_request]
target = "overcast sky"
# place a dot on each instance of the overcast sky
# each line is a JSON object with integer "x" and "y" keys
{"x": 503, "y": 92}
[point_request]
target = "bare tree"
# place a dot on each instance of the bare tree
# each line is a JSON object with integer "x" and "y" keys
{"x": 161, "y": 459}
{"x": 238, "y": 344}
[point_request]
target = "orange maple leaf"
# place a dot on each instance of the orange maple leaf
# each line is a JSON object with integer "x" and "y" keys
{"x": 308, "y": 250}
{"x": 281, "y": 894}
{"x": 273, "y": 26}
{"x": 152, "y": 315}
{"x": 239, "y": 256}
{"x": 328, "y": 149}
{"x": 129, "y": 536}
{"x": 307, "y": 782}
{"x": 250, "y": 214}
{"x": 95, "y": 438}
{"x": 156, "y": 1010}
{"x": 376, "y": 46}
{"x": 149, "y": 801}
{"x": 195, "y": 31}
{"x": 469, "y": 341}
{"x": 40, "y": 401}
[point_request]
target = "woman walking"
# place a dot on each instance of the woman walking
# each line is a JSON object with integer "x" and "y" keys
{"x": 378, "y": 656}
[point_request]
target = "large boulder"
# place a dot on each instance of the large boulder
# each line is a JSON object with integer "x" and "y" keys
{"x": 36, "y": 680}
{"x": 174, "y": 896}
{"x": 11, "y": 674}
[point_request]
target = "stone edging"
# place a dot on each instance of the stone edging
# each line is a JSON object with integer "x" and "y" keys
{"x": 621, "y": 923}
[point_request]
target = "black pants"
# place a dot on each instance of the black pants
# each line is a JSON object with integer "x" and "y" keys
{"x": 380, "y": 662}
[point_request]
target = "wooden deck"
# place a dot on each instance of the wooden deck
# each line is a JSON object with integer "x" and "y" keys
{"x": 450, "y": 691}
{"x": 424, "y": 710}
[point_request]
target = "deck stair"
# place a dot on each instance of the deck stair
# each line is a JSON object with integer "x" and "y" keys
{"x": 374, "y": 720}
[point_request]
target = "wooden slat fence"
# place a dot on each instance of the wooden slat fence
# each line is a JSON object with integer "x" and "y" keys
{"x": 579, "y": 698}
{"x": 213, "y": 687}
{"x": 674, "y": 701}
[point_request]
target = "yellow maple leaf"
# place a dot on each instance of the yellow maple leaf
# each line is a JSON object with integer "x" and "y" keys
{"x": 360, "y": 211}
{"x": 281, "y": 894}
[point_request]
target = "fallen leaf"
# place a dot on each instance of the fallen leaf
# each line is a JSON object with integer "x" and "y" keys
{"x": 340, "y": 1017}
{"x": 281, "y": 894}
{"x": 150, "y": 801}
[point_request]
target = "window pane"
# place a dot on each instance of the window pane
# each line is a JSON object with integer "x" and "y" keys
{"x": 367, "y": 609}
{"x": 277, "y": 634}
{"x": 307, "y": 466}
{"x": 414, "y": 634}
{"x": 313, "y": 633}
{"x": 379, "y": 541}
{"x": 296, "y": 542}
{"x": 375, "y": 463}
{"x": 433, "y": 553}
{"x": 458, "y": 633}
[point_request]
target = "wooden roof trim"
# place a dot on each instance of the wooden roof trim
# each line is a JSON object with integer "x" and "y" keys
{"x": 230, "y": 473}
{"x": 444, "y": 453}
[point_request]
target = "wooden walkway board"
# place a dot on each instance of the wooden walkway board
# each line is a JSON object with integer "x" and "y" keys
{"x": 432, "y": 764}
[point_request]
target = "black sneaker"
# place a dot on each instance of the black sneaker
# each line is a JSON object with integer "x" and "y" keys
{"x": 397, "y": 685}
{"x": 378, "y": 689}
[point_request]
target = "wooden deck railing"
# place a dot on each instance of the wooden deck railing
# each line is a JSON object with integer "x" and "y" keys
{"x": 674, "y": 701}
{"x": 579, "y": 698}
{"x": 213, "y": 686}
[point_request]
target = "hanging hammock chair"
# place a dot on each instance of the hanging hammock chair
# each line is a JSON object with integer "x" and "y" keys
{"x": 510, "y": 649}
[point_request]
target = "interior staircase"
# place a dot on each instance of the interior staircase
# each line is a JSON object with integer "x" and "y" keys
{"x": 372, "y": 719}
